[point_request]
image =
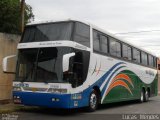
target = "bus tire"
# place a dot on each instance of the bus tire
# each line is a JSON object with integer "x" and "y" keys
{"x": 146, "y": 98}
{"x": 142, "y": 97}
{"x": 93, "y": 101}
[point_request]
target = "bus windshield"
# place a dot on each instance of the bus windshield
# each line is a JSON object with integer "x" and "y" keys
{"x": 41, "y": 64}
{"x": 48, "y": 32}
{"x": 74, "y": 31}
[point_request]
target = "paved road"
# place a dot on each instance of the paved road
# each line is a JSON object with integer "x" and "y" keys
{"x": 118, "y": 111}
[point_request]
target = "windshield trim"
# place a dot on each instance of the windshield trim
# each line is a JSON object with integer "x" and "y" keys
{"x": 43, "y": 44}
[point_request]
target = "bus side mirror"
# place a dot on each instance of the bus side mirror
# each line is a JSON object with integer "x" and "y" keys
{"x": 66, "y": 58}
{"x": 9, "y": 64}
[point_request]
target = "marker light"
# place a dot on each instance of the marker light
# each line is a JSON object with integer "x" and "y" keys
{"x": 17, "y": 88}
{"x": 53, "y": 90}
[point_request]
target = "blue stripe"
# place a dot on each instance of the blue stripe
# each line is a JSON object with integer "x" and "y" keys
{"x": 102, "y": 79}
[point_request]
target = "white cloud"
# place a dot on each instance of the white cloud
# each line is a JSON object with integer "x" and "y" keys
{"x": 112, "y": 15}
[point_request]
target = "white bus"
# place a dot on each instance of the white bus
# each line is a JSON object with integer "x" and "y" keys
{"x": 72, "y": 64}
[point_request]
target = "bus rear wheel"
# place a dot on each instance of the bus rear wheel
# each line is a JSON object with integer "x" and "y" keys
{"x": 142, "y": 97}
{"x": 146, "y": 96}
{"x": 93, "y": 101}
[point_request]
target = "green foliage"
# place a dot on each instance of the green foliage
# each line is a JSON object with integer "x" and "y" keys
{"x": 10, "y": 15}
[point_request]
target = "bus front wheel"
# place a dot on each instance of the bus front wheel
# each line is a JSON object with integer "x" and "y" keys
{"x": 93, "y": 101}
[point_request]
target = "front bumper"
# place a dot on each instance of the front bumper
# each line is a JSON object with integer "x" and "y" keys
{"x": 43, "y": 99}
{"x": 50, "y": 100}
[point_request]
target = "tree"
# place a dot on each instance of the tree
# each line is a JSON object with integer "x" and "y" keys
{"x": 10, "y": 16}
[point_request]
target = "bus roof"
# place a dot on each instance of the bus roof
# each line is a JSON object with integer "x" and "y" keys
{"x": 54, "y": 21}
{"x": 94, "y": 27}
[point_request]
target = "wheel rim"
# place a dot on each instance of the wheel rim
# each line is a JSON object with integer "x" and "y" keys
{"x": 142, "y": 97}
{"x": 146, "y": 95}
{"x": 93, "y": 100}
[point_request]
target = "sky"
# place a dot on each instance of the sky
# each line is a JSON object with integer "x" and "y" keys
{"x": 135, "y": 21}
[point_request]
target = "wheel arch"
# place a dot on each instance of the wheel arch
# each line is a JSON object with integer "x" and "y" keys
{"x": 149, "y": 91}
{"x": 96, "y": 88}
{"x": 143, "y": 88}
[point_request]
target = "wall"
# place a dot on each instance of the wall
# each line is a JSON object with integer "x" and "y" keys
{"x": 158, "y": 62}
{"x": 8, "y": 45}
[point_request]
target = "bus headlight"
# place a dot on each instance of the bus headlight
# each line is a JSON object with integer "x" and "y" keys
{"x": 76, "y": 96}
{"x": 17, "y": 88}
{"x": 53, "y": 90}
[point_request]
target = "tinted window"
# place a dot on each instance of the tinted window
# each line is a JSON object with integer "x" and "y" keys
{"x": 100, "y": 42}
{"x": 150, "y": 60}
{"x": 126, "y": 52}
{"x": 79, "y": 68}
{"x": 41, "y": 64}
{"x": 136, "y": 55}
{"x": 82, "y": 34}
{"x": 48, "y": 32}
{"x": 115, "y": 47}
{"x": 96, "y": 41}
{"x": 144, "y": 58}
{"x": 154, "y": 62}
{"x": 103, "y": 44}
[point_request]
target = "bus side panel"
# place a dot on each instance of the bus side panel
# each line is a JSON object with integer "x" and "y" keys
{"x": 117, "y": 80}
{"x": 154, "y": 87}
{"x": 130, "y": 91}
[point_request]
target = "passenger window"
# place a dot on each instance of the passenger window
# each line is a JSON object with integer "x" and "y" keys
{"x": 104, "y": 44}
{"x": 136, "y": 55}
{"x": 151, "y": 61}
{"x": 154, "y": 62}
{"x": 126, "y": 52}
{"x": 96, "y": 41}
{"x": 115, "y": 47}
{"x": 82, "y": 34}
{"x": 144, "y": 58}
